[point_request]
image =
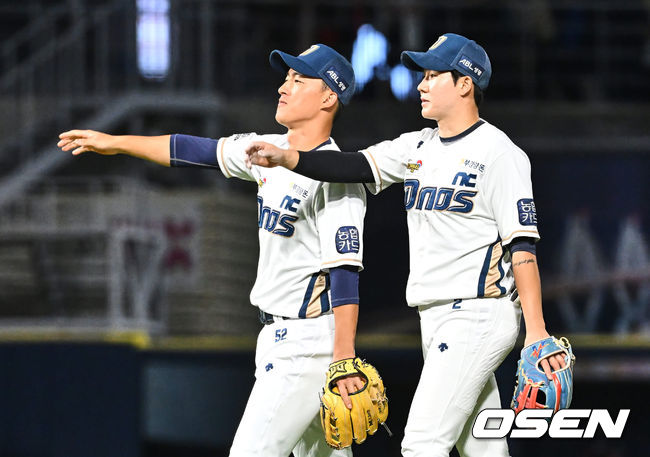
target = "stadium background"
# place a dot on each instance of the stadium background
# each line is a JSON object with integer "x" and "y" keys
{"x": 125, "y": 328}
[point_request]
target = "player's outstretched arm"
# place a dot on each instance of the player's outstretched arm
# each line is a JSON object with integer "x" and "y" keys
{"x": 152, "y": 148}
{"x": 321, "y": 165}
{"x": 529, "y": 287}
{"x": 268, "y": 155}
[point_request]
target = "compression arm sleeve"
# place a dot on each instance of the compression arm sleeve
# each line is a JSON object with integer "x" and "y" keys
{"x": 344, "y": 285}
{"x": 192, "y": 151}
{"x": 523, "y": 244}
{"x": 334, "y": 166}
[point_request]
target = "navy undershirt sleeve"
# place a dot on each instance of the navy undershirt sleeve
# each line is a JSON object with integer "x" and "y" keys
{"x": 523, "y": 244}
{"x": 344, "y": 285}
{"x": 334, "y": 166}
{"x": 192, "y": 151}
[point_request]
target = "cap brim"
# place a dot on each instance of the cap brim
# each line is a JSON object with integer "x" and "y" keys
{"x": 281, "y": 61}
{"x": 420, "y": 61}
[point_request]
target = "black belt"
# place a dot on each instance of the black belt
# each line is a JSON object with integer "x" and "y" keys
{"x": 268, "y": 319}
{"x": 514, "y": 296}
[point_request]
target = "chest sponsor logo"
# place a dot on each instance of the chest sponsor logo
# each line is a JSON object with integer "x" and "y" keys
{"x": 527, "y": 211}
{"x": 304, "y": 193}
{"x": 413, "y": 166}
{"x": 474, "y": 165}
{"x": 348, "y": 240}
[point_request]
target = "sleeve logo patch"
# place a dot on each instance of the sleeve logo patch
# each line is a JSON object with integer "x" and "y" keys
{"x": 347, "y": 240}
{"x": 239, "y": 136}
{"x": 527, "y": 211}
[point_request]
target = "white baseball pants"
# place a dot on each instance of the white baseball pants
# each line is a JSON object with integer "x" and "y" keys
{"x": 281, "y": 416}
{"x": 463, "y": 344}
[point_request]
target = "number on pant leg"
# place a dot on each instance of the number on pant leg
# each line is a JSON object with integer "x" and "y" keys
{"x": 280, "y": 334}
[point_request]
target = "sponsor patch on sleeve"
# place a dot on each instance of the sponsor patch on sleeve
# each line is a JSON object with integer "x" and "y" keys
{"x": 240, "y": 136}
{"x": 347, "y": 240}
{"x": 527, "y": 211}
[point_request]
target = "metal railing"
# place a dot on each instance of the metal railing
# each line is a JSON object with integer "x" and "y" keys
{"x": 77, "y": 56}
{"x": 84, "y": 253}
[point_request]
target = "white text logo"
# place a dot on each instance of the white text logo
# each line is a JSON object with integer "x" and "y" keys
{"x": 534, "y": 423}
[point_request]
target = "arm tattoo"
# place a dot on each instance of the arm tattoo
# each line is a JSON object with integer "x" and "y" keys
{"x": 523, "y": 262}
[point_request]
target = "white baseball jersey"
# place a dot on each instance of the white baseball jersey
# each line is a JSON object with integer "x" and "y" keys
{"x": 466, "y": 198}
{"x": 299, "y": 240}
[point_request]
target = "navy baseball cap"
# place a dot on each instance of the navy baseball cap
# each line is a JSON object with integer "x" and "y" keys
{"x": 320, "y": 61}
{"x": 453, "y": 52}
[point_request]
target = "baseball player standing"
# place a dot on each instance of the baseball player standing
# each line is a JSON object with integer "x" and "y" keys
{"x": 472, "y": 232}
{"x": 310, "y": 252}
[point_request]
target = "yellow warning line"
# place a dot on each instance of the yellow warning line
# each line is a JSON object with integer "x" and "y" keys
{"x": 137, "y": 338}
{"x": 204, "y": 343}
{"x": 142, "y": 340}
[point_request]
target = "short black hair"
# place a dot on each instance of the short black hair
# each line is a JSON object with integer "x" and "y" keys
{"x": 478, "y": 93}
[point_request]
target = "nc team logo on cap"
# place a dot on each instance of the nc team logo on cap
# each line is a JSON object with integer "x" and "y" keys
{"x": 441, "y": 39}
{"x": 310, "y": 50}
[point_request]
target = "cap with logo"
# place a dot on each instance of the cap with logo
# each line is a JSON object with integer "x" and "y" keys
{"x": 320, "y": 61}
{"x": 453, "y": 52}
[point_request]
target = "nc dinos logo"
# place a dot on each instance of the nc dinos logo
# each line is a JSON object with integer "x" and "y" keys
{"x": 310, "y": 50}
{"x": 413, "y": 166}
{"x": 440, "y": 40}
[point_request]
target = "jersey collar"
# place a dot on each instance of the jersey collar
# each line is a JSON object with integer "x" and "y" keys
{"x": 463, "y": 134}
{"x": 324, "y": 143}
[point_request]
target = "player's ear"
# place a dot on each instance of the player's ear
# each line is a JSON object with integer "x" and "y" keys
{"x": 465, "y": 85}
{"x": 330, "y": 99}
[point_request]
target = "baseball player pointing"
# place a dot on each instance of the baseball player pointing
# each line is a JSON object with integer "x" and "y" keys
{"x": 310, "y": 236}
{"x": 472, "y": 231}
